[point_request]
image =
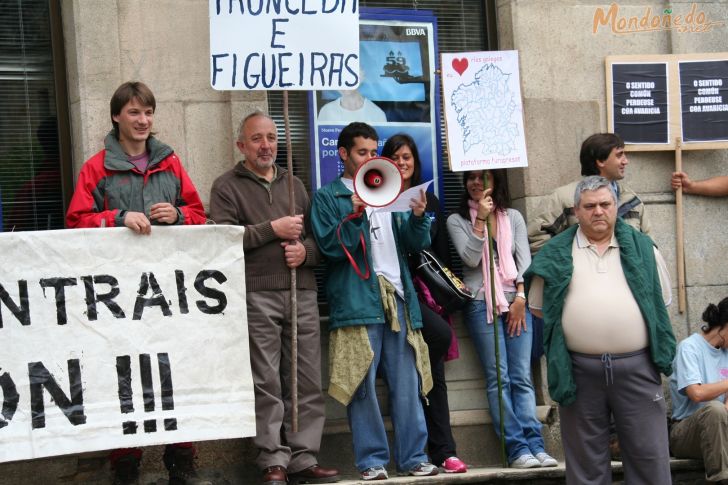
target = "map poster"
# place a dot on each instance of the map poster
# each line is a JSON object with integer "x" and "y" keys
{"x": 704, "y": 100}
{"x": 396, "y": 94}
{"x": 640, "y": 102}
{"x": 483, "y": 110}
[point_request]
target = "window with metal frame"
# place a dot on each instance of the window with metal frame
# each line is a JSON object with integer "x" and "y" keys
{"x": 31, "y": 177}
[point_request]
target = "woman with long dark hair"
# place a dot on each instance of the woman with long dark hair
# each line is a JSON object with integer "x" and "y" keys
{"x": 698, "y": 386}
{"x": 479, "y": 208}
{"x": 402, "y": 149}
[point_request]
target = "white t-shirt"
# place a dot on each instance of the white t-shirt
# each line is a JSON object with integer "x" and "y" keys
{"x": 383, "y": 247}
{"x": 696, "y": 362}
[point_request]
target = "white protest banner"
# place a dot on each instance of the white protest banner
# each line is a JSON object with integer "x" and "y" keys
{"x": 284, "y": 44}
{"x": 111, "y": 339}
{"x": 483, "y": 110}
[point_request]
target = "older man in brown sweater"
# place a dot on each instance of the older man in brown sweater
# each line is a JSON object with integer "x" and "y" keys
{"x": 254, "y": 194}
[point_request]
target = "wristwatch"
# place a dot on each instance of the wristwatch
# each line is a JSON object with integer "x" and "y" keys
{"x": 521, "y": 294}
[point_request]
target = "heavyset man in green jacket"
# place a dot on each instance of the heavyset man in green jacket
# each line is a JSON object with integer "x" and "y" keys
{"x": 602, "y": 288}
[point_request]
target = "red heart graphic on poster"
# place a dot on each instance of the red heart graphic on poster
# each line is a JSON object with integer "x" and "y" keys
{"x": 460, "y": 65}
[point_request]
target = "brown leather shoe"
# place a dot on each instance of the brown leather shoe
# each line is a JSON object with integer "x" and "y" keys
{"x": 314, "y": 474}
{"x": 275, "y": 475}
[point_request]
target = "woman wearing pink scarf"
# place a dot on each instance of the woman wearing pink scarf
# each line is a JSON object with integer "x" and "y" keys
{"x": 468, "y": 231}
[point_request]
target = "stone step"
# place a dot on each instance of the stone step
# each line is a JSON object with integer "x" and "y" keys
{"x": 231, "y": 462}
{"x": 476, "y": 441}
{"x": 685, "y": 472}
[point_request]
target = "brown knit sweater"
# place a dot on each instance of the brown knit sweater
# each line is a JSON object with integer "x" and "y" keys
{"x": 238, "y": 197}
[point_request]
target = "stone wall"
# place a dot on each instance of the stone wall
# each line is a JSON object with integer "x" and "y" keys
{"x": 165, "y": 44}
{"x": 564, "y": 94}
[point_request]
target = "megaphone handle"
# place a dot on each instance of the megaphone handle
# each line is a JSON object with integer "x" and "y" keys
{"x": 365, "y": 275}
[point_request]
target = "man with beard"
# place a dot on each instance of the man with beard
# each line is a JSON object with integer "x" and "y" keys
{"x": 254, "y": 194}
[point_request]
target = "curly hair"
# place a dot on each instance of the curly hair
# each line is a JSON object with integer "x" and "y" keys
{"x": 715, "y": 315}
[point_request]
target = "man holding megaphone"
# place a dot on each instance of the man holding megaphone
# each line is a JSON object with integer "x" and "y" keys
{"x": 375, "y": 318}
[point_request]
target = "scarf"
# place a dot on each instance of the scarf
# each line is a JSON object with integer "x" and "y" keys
{"x": 506, "y": 271}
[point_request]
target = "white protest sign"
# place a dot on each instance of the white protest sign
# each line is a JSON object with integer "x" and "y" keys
{"x": 111, "y": 339}
{"x": 483, "y": 110}
{"x": 403, "y": 200}
{"x": 284, "y": 44}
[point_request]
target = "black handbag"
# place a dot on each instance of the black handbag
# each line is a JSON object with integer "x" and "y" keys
{"x": 447, "y": 289}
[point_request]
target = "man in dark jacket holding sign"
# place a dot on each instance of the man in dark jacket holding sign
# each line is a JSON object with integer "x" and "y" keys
{"x": 137, "y": 181}
{"x": 254, "y": 194}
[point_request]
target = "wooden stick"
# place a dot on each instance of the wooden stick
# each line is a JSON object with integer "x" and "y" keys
{"x": 679, "y": 248}
{"x": 496, "y": 350}
{"x": 294, "y": 299}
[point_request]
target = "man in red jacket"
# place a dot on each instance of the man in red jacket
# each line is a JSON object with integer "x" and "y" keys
{"x": 137, "y": 181}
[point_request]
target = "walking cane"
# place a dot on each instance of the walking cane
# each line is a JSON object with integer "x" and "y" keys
{"x": 294, "y": 299}
{"x": 491, "y": 266}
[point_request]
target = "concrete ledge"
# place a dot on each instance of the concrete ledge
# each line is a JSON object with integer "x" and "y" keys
{"x": 684, "y": 472}
{"x": 93, "y": 470}
{"x": 542, "y": 476}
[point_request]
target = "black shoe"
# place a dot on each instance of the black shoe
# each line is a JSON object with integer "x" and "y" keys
{"x": 126, "y": 470}
{"x": 180, "y": 463}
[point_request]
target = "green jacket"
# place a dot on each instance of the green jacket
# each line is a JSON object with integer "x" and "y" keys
{"x": 555, "y": 265}
{"x": 352, "y": 300}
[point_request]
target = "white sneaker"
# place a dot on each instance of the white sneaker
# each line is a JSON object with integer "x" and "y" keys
{"x": 546, "y": 459}
{"x": 374, "y": 473}
{"x": 424, "y": 469}
{"x": 526, "y": 460}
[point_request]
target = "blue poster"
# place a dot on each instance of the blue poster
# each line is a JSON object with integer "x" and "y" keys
{"x": 397, "y": 93}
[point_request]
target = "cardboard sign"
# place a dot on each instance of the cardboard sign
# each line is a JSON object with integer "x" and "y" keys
{"x": 640, "y": 102}
{"x": 285, "y": 45}
{"x": 653, "y": 100}
{"x": 115, "y": 340}
{"x": 483, "y": 110}
{"x": 704, "y": 100}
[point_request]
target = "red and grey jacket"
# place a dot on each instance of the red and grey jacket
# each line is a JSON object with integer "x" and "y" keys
{"x": 109, "y": 185}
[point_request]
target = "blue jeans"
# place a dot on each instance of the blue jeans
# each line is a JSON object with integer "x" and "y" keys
{"x": 395, "y": 359}
{"x": 522, "y": 427}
